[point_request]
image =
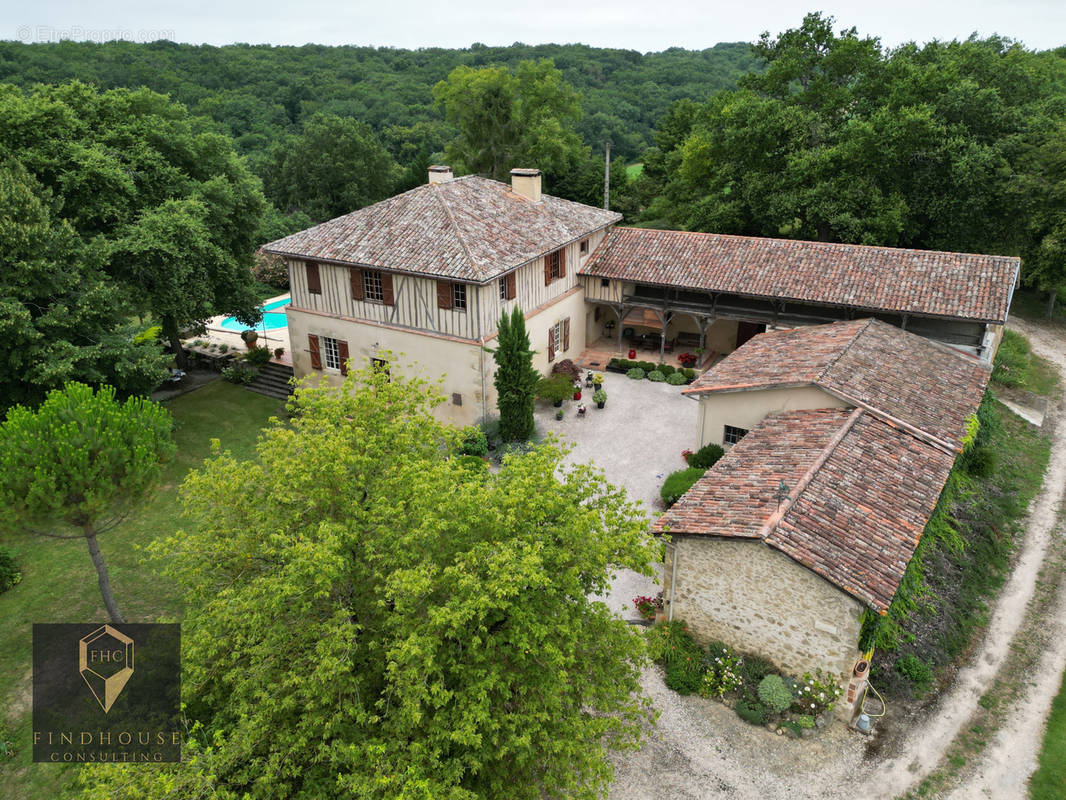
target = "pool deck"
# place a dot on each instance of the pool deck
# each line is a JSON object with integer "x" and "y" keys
{"x": 278, "y": 337}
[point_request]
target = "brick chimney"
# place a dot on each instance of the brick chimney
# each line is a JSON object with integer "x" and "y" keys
{"x": 439, "y": 173}
{"x": 526, "y": 182}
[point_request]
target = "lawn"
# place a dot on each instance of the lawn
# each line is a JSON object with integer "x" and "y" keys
{"x": 633, "y": 171}
{"x": 1048, "y": 781}
{"x": 59, "y": 582}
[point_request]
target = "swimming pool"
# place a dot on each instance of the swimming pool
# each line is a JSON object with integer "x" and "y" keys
{"x": 271, "y": 319}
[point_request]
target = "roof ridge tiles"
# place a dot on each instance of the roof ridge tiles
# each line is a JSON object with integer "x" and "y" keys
{"x": 843, "y": 350}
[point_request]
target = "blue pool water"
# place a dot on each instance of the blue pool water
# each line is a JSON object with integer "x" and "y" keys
{"x": 271, "y": 319}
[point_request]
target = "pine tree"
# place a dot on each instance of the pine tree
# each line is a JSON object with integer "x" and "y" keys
{"x": 515, "y": 378}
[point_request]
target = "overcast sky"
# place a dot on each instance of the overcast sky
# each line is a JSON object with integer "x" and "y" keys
{"x": 645, "y": 26}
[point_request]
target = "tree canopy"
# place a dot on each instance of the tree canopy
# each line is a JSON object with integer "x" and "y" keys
{"x": 369, "y": 617}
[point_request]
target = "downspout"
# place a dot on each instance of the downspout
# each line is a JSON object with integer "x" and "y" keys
{"x": 484, "y": 405}
{"x": 673, "y": 581}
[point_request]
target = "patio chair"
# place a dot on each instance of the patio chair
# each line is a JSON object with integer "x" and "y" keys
{"x": 669, "y": 346}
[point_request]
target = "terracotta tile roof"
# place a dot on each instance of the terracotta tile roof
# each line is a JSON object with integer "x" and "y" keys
{"x": 956, "y": 285}
{"x": 861, "y": 491}
{"x": 928, "y": 385}
{"x": 470, "y": 228}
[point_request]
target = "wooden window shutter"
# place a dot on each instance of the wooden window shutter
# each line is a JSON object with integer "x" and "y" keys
{"x": 566, "y": 334}
{"x": 511, "y": 286}
{"x": 551, "y": 343}
{"x": 316, "y": 355}
{"x": 387, "y": 296}
{"x": 314, "y": 282}
{"x": 444, "y": 294}
{"x": 342, "y": 351}
{"x": 356, "y": 276}
{"x": 547, "y": 270}
{"x": 562, "y": 262}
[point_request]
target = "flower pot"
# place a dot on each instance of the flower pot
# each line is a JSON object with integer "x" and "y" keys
{"x": 597, "y": 386}
{"x": 577, "y": 395}
{"x": 601, "y": 405}
{"x": 632, "y": 354}
{"x": 558, "y": 403}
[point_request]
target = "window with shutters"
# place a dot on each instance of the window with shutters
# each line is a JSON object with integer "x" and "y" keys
{"x": 331, "y": 354}
{"x": 733, "y": 435}
{"x": 503, "y": 289}
{"x": 459, "y": 296}
{"x": 314, "y": 282}
{"x": 555, "y": 264}
{"x": 557, "y": 337}
{"x": 372, "y": 286}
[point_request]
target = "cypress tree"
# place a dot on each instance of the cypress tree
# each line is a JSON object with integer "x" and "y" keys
{"x": 515, "y": 378}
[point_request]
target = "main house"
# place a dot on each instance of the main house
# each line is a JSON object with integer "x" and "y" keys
{"x": 425, "y": 275}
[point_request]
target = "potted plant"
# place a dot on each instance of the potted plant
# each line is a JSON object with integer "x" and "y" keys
{"x": 559, "y": 414}
{"x": 556, "y": 389}
{"x": 597, "y": 380}
{"x": 250, "y": 337}
{"x": 599, "y": 398}
{"x": 687, "y": 360}
{"x": 577, "y": 393}
{"x": 581, "y": 408}
{"x": 588, "y": 380}
{"x": 279, "y": 352}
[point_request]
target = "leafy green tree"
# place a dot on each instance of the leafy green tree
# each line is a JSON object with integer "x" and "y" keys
{"x": 369, "y": 618}
{"x": 81, "y": 462}
{"x": 60, "y": 318}
{"x": 515, "y": 377}
{"x": 333, "y": 167}
{"x": 133, "y": 166}
{"x": 505, "y": 119}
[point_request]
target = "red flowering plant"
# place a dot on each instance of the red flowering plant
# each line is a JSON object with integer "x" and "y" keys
{"x": 649, "y": 606}
{"x": 686, "y": 454}
{"x": 687, "y": 360}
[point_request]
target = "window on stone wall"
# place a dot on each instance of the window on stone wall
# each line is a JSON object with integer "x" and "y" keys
{"x": 733, "y": 435}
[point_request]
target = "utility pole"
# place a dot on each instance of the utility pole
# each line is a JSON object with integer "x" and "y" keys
{"x": 607, "y": 178}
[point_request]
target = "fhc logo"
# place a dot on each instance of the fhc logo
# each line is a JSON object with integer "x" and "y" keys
{"x": 108, "y": 693}
{"x": 105, "y": 661}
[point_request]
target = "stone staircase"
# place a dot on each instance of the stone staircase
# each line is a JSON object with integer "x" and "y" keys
{"x": 272, "y": 380}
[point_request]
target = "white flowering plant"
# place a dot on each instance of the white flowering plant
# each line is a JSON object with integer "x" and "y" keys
{"x": 815, "y": 694}
{"x": 723, "y": 672}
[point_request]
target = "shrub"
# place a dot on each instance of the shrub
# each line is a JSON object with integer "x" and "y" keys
{"x": 250, "y": 336}
{"x": 751, "y": 711}
{"x": 689, "y": 372}
{"x": 474, "y": 442}
{"x": 271, "y": 270}
{"x": 223, "y": 348}
{"x": 753, "y": 669}
{"x": 669, "y": 641}
{"x": 666, "y": 369}
{"x": 676, "y": 379}
{"x": 648, "y": 606}
{"x": 677, "y": 483}
{"x": 815, "y": 694}
{"x": 599, "y": 396}
{"x": 685, "y": 673}
{"x": 707, "y": 456}
{"x": 918, "y": 672}
{"x": 982, "y": 463}
{"x": 774, "y": 694}
{"x": 647, "y": 366}
{"x": 568, "y": 368}
{"x": 279, "y": 352}
{"x": 238, "y": 373}
{"x": 614, "y": 362}
{"x": 723, "y": 671}
{"x": 257, "y": 356}
{"x": 555, "y": 388}
{"x": 472, "y": 464}
{"x": 656, "y": 376}
{"x": 636, "y": 374}
{"x": 10, "y": 573}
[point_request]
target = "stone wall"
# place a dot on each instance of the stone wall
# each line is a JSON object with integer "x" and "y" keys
{"x": 750, "y": 596}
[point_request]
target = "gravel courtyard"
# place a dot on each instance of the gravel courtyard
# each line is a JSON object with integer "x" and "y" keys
{"x": 699, "y": 748}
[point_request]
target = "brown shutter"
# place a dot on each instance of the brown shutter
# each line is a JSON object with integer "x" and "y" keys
{"x": 444, "y": 294}
{"x": 356, "y": 276}
{"x": 511, "y": 288}
{"x": 314, "y": 283}
{"x": 551, "y": 343}
{"x": 387, "y": 297}
{"x": 547, "y": 270}
{"x": 342, "y": 351}
{"x": 316, "y": 356}
{"x": 562, "y": 262}
{"x": 566, "y": 334}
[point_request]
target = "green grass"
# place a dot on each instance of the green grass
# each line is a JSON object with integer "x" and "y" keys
{"x": 59, "y": 582}
{"x": 633, "y": 171}
{"x": 1017, "y": 367}
{"x": 1049, "y": 780}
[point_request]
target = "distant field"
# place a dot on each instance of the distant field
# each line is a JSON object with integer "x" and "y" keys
{"x": 633, "y": 171}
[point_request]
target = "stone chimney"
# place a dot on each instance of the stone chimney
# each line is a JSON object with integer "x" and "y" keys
{"x": 526, "y": 182}
{"x": 440, "y": 174}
